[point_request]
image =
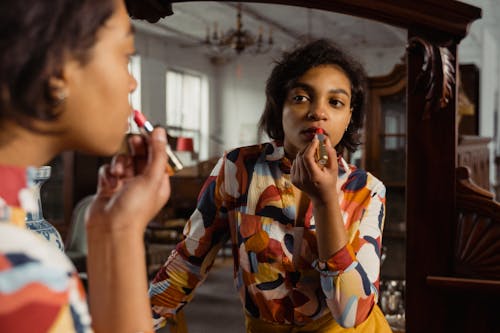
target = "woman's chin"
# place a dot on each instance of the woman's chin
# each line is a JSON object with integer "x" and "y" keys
{"x": 106, "y": 150}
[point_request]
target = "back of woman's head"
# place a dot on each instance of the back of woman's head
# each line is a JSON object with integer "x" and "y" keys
{"x": 292, "y": 66}
{"x": 36, "y": 38}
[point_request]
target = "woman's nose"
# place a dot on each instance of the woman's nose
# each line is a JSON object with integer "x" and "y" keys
{"x": 316, "y": 112}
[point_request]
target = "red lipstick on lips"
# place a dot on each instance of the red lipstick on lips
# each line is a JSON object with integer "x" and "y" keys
{"x": 309, "y": 133}
{"x": 321, "y": 154}
{"x": 146, "y": 128}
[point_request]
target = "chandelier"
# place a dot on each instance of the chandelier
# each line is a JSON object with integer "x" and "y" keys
{"x": 223, "y": 46}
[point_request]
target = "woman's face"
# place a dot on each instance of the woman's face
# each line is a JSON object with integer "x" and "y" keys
{"x": 321, "y": 98}
{"x": 96, "y": 110}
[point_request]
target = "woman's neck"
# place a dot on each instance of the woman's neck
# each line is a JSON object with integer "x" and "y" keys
{"x": 289, "y": 153}
{"x": 21, "y": 147}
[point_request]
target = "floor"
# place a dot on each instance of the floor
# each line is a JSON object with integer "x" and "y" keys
{"x": 216, "y": 306}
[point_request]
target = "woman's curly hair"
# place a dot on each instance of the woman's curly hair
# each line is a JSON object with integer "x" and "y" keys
{"x": 36, "y": 38}
{"x": 293, "y": 65}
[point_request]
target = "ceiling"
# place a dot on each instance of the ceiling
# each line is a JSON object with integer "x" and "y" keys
{"x": 192, "y": 20}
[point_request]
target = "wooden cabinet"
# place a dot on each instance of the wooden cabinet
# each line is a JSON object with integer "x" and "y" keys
{"x": 385, "y": 125}
{"x": 385, "y": 156}
{"x": 54, "y": 192}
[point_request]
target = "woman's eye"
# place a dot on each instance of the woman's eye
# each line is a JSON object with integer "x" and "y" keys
{"x": 336, "y": 103}
{"x": 299, "y": 98}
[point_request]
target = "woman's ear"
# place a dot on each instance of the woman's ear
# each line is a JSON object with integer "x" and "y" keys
{"x": 58, "y": 89}
{"x": 60, "y": 81}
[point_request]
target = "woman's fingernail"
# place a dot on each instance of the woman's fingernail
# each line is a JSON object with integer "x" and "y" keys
{"x": 160, "y": 135}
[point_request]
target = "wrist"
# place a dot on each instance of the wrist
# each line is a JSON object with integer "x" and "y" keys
{"x": 331, "y": 198}
{"x": 109, "y": 232}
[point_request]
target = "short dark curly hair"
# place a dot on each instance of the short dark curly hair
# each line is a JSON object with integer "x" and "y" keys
{"x": 36, "y": 38}
{"x": 293, "y": 65}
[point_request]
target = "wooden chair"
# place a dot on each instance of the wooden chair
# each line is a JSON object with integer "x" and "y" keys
{"x": 473, "y": 285}
{"x": 477, "y": 242}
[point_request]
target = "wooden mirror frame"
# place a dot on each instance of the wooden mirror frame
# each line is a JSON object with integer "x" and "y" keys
{"x": 435, "y": 27}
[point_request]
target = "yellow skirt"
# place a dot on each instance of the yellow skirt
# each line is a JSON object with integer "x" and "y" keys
{"x": 375, "y": 323}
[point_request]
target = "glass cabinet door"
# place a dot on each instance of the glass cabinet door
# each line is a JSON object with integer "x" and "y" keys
{"x": 385, "y": 157}
{"x": 393, "y": 138}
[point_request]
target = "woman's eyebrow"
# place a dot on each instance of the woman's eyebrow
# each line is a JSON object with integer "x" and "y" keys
{"x": 339, "y": 91}
{"x": 309, "y": 89}
{"x": 302, "y": 85}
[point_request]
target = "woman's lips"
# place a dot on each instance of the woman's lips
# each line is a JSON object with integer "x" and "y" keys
{"x": 310, "y": 133}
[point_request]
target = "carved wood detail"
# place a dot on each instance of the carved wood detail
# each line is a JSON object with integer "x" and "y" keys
{"x": 477, "y": 244}
{"x": 437, "y": 77}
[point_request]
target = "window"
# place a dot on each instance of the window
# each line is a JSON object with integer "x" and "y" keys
{"x": 134, "y": 67}
{"x": 187, "y": 111}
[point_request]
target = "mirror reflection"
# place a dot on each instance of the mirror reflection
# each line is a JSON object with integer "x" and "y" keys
{"x": 218, "y": 95}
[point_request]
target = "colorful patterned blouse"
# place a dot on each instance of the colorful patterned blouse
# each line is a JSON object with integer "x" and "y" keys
{"x": 249, "y": 199}
{"x": 39, "y": 288}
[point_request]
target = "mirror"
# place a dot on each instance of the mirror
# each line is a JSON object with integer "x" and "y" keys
{"x": 192, "y": 45}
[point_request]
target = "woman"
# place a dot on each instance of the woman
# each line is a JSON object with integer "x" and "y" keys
{"x": 306, "y": 238}
{"x": 64, "y": 84}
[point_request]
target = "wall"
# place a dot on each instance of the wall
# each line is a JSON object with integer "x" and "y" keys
{"x": 157, "y": 55}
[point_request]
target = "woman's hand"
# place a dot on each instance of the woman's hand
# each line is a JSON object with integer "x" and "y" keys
{"x": 318, "y": 182}
{"x": 133, "y": 188}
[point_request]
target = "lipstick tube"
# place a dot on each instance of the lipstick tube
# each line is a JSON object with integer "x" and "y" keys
{"x": 321, "y": 153}
{"x": 146, "y": 128}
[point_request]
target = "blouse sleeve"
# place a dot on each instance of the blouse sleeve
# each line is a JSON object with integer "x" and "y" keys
{"x": 205, "y": 233}
{"x": 39, "y": 288}
{"x": 350, "y": 278}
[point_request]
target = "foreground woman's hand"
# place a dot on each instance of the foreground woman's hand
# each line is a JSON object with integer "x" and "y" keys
{"x": 133, "y": 188}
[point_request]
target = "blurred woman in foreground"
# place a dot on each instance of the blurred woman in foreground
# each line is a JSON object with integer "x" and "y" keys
{"x": 64, "y": 85}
